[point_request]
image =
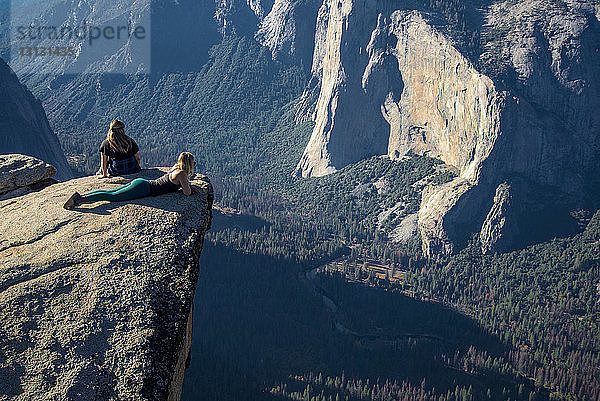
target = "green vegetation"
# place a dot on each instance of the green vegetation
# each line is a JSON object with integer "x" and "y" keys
{"x": 220, "y": 114}
{"x": 535, "y": 312}
{"x": 543, "y": 301}
{"x": 260, "y": 333}
{"x": 314, "y": 219}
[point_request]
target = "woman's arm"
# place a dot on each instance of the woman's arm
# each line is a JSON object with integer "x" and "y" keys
{"x": 137, "y": 157}
{"x": 104, "y": 165}
{"x": 184, "y": 182}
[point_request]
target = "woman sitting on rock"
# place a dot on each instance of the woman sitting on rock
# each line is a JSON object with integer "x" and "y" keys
{"x": 177, "y": 177}
{"x": 119, "y": 153}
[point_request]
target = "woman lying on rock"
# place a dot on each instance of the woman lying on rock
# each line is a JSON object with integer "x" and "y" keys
{"x": 178, "y": 176}
{"x": 119, "y": 153}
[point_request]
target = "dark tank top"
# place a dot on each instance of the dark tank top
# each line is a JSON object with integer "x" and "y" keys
{"x": 162, "y": 185}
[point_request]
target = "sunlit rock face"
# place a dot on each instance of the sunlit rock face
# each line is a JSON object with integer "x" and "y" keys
{"x": 392, "y": 82}
{"x": 20, "y": 171}
{"x": 348, "y": 123}
{"x": 95, "y": 302}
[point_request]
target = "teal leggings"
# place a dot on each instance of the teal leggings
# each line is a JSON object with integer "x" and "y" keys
{"x": 138, "y": 188}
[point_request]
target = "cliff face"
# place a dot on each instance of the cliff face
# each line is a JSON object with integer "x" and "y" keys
{"x": 379, "y": 88}
{"x": 95, "y": 302}
{"x": 343, "y": 105}
{"x": 24, "y": 127}
{"x": 392, "y": 82}
{"x": 289, "y": 30}
{"x": 110, "y": 55}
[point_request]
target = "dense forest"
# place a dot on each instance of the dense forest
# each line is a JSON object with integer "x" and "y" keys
{"x": 262, "y": 333}
{"x": 544, "y": 301}
{"x": 536, "y": 309}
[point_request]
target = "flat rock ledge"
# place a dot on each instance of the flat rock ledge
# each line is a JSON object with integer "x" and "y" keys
{"x": 96, "y": 302}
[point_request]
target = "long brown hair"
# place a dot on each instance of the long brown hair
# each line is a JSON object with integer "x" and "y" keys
{"x": 117, "y": 139}
{"x": 185, "y": 163}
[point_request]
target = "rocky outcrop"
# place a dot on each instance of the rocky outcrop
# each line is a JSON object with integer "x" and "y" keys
{"x": 240, "y": 16}
{"x": 440, "y": 215}
{"x": 391, "y": 81}
{"x": 289, "y": 30}
{"x": 95, "y": 302}
{"x": 24, "y": 127}
{"x": 500, "y": 228}
{"x": 286, "y": 27}
{"x": 260, "y": 7}
{"x": 20, "y": 174}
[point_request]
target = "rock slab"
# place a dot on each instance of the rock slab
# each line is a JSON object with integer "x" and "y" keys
{"x": 17, "y": 171}
{"x": 95, "y": 302}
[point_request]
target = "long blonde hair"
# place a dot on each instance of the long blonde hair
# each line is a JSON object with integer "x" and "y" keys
{"x": 185, "y": 163}
{"x": 116, "y": 137}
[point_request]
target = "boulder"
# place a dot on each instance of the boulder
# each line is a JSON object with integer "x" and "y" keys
{"x": 96, "y": 302}
{"x": 17, "y": 171}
